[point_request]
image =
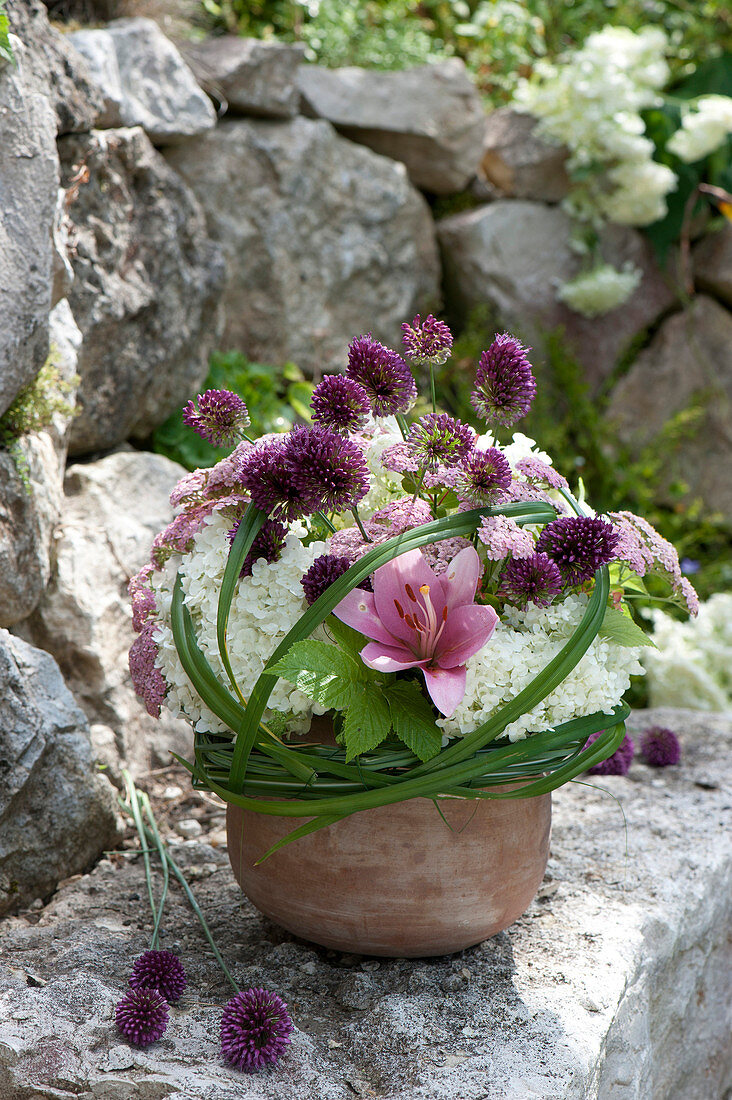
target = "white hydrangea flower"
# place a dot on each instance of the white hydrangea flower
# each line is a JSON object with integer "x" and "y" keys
{"x": 386, "y": 485}
{"x": 522, "y": 644}
{"x": 702, "y": 130}
{"x": 600, "y": 290}
{"x": 692, "y": 666}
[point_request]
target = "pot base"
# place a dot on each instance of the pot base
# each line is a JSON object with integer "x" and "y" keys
{"x": 397, "y": 881}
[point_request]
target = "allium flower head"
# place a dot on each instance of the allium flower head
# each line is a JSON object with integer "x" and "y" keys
{"x": 504, "y": 383}
{"x": 321, "y": 574}
{"x": 427, "y": 343}
{"x": 383, "y": 374}
{"x": 439, "y": 438}
{"x": 255, "y": 1030}
{"x": 161, "y": 970}
{"x": 220, "y": 418}
{"x": 340, "y": 403}
{"x": 535, "y": 579}
{"x": 265, "y": 473}
{"x": 660, "y": 747}
{"x": 327, "y": 469}
{"x": 481, "y": 476}
{"x": 617, "y": 764}
{"x": 267, "y": 543}
{"x": 579, "y": 545}
{"x": 142, "y": 1016}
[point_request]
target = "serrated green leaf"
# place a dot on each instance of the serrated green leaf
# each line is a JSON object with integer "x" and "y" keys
{"x": 413, "y": 719}
{"x": 622, "y": 630}
{"x": 367, "y": 722}
{"x": 321, "y": 671}
{"x": 350, "y": 641}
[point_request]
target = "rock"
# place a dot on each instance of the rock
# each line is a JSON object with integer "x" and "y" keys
{"x": 31, "y": 489}
{"x": 248, "y": 76}
{"x": 323, "y": 239}
{"x": 73, "y": 95}
{"x": 512, "y": 256}
{"x": 585, "y": 996}
{"x": 713, "y": 264}
{"x": 113, "y": 508}
{"x": 688, "y": 363}
{"x": 518, "y": 162}
{"x": 145, "y": 81}
{"x": 146, "y": 287}
{"x": 28, "y": 189}
{"x": 431, "y": 117}
{"x": 56, "y": 813}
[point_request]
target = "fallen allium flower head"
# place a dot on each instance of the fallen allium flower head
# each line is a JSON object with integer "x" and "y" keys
{"x": 161, "y": 970}
{"x": 660, "y": 747}
{"x": 255, "y": 1029}
{"x": 142, "y": 1016}
{"x": 617, "y": 764}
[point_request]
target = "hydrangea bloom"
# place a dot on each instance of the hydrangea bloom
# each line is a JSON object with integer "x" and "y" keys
{"x": 691, "y": 665}
{"x": 703, "y": 129}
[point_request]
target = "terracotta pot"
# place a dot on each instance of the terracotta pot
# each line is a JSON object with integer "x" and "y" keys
{"x": 397, "y": 880}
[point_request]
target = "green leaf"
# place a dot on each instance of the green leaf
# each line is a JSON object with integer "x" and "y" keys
{"x": 350, "y": 640}
{"x": 321, "y": 671}
{"x": 413, "y": 719}
{"x": 620, "y": 628}
{"x": 367, "y": 722}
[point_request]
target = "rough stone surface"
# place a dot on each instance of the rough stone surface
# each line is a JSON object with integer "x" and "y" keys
{"x": 689, "y": 361}
{"x": 145, "y": 81}
{"x": 429, "y": 117}
{"x": 56, "y": 812}
{"x": 512, "y": 255}
{"x": 247, "y": 75}
{"x": 323, "y": 239}
{"x": 518, "y": 162}
{"x": 146, "y": 287}
{"x": 713, "y": 264}
{"x": 72, "y": 93}
{"x": 112, "y": 510}
{"x": 583, "y": 998}
{"x": 28, "y": 189}
{"x": 31, "y": 489}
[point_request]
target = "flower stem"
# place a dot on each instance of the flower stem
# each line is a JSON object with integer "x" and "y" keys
{"x": 362, "y": 529}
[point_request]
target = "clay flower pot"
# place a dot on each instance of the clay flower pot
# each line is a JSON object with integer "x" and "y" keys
{"x": 397, "y": 880}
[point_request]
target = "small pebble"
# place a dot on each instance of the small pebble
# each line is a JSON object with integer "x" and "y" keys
{"x": 171, "y": 793}
{"x": 189, "y": 828}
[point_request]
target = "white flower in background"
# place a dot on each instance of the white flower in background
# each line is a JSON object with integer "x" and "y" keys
{"x": 600, "y": 290}
{"x": 639, "y": 197}
{"x": 692, "y": 666}
{"x": 704, "y": 129}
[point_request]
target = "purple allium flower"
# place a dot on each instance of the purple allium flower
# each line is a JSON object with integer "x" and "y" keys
{"x": 147, "y": 679}
{"x": 660, "y": 747}
{"x": 502, "y": 536}
{"x": 617, "y": 764}
{"x": 504, "y": 383}
{"x": 327, "y": 468}
{"x": 481, "y": 476}
{"x": 220, "y": 418}
{"x": 268, "y": 543}
{"x": 534, "y": 469}
{"x": 427, "y": 343}
{"x": 439, "y": 438}
{"x": 340, "y": 403}
{"x": 579, "y": 545}
{"x": 534, "y": 579}
{"x": 321, "y": 574}
{"x": 255, "y": 1029}
{"x": 142, "y": 1016}
{"x": 383, "y": 374}
{"x": 161, "y": 970}
{"x": 266, "y": 474}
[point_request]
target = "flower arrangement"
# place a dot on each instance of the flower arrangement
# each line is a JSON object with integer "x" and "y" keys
{"x": 441, "y": 597}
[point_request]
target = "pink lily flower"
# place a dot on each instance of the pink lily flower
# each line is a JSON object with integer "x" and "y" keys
{"x": 419, "y": 620}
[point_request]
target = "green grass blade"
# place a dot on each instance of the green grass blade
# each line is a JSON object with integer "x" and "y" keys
{"x": 250, "y": 524}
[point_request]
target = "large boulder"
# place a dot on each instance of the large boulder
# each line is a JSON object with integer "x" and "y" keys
{"x": 713, "y": 264}
{"x": 112, "y": 510}
{"x": 145, "y": 81}
{"x": 146, "y": 287}
{"x": 31, "y": 484}
{"x": 28, "y": 188}
{"x": 431, "y": 117}
{"x": 56, "y": 813}
{"x": 688, "y": 363}
{"x": 519, "y": 163}
{"x": 248, "y": 76}
{"x": 513, "y": 255}
{"x": 323, "y": 239}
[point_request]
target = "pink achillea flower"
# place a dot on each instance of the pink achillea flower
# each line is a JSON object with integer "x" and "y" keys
{"x": 534, "y": 469}
{"x": 502, "y": 536}
{"x": 147, "y": 679}
{"x": 419, "y": 620}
